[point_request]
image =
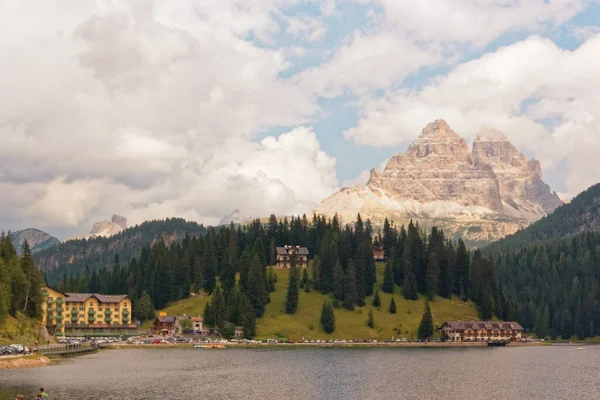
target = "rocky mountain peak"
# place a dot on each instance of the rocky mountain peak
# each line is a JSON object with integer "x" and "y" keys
{"x": 437, "y": 129}
{"x": 119, "y": 220}
{"x": 36, "y": 239}
{"x": 236, "y": 216}
{"x": 437, "y": 138}
{"x": 439, "y": 180}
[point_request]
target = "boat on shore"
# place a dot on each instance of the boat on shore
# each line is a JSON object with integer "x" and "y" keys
{"x": 209, "y": 346}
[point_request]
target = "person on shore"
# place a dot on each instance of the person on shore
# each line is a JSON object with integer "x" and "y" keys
{"x": 20, "y": 397}
{"x": 43, "y": 394}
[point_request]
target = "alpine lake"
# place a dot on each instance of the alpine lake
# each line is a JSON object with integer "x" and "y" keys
{"x": 543, "y": 372}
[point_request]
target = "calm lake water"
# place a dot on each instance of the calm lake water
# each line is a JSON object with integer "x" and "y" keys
{"x": 557, "y": 372}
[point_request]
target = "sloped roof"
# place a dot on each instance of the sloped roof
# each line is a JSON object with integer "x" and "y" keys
{"x": 300, "y": 250}
{"x": 102, "y": 298}
{"x": 166, "y": 320}
{"x": 110, "y": 298}
{"x": 477, "y": 325}
{"x": 197, "y": 319}
{"x": 77, "y": 297}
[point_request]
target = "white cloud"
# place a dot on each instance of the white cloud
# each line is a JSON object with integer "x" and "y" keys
{"x": 516, "y": 89}
{"x": 309, "y": 28}
{"x": 366, "y": 62}
{"x": 584, "y": 32}
{"x": 405, "y": 36}
{"x": 148, "y": 110}
{"x": 474, "y": 21}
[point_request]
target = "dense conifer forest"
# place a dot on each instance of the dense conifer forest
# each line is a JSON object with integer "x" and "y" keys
{"x": 546, "y": 277}
{"x": 233, "y": 264}
{"x": 75, "y": 256}
{"x": 20, "y": 281}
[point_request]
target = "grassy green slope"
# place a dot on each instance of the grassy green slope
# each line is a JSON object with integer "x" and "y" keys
{"x": 349, "y": 324}
{"x": 20, "y": 330}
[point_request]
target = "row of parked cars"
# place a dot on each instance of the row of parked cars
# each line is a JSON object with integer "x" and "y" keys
{"x": 14, "y": 349}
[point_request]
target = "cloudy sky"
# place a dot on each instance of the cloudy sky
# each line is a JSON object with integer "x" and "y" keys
{"x": 193, "y": 108}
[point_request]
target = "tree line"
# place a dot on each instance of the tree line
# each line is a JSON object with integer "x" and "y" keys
{"x": 556, "y": 284}
{"x": 20, "y": 281}
{"x": 233, "y": 263}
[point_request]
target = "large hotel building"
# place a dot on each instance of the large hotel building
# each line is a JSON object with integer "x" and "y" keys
{"x": 86, "y": 313}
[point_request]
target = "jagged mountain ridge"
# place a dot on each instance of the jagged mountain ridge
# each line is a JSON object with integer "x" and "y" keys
{"x": 37, "y": 240}
{"x": 581, "y": 214}
{"x": 480, "y": 195}
{"x": 106, "y": 228}
{"x": 72, "y": 256}
{"x": 236, "y": 216}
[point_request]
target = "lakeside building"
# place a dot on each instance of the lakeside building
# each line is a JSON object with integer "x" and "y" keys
{"x": 285, "y": 253}
{"x": 481, "y": 331}
{"x": 167, "y": 325}
{"x": 86, "y": 314}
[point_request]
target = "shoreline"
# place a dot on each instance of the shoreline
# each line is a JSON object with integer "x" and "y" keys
{"x": 320, "y": 345}
{"x": 24, "y": 362}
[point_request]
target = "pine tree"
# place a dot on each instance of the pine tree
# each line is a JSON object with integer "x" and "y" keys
{"x": 228, "y": 274}
{"x": 544, "y": 323}
{"x": 209, "y": 274}
{"x": 432, "y": 276}
{"x": 272, "y": 252}
{"x": 144, "y": 309}
{"x": 566, "y": 326}
{"x": 388, "y": 278}
{"x": 338, "y": 281}
{"x": 371, "y": 319}
{"x": 209, "y": 315}
{"x": 257, "y": 287}
{"x": 291, "y": 304}
{"x": 305, "y": 281}
{"x": 4, "y": 291}
{"x": 392, "y": 306}
{"x": 315, "y": 272}
{"x": 376, "y": 300}
{"x": 463, "y": 272}
{"x": 351, "y": 290}
{"x": 407, "y": 289}
{"x": 248, "y": 318}
{"x": 327, "y": 318}
{"x": 413, "y": 286}
{"x": 426, "y": 325}
{"x": 271, "y": 280}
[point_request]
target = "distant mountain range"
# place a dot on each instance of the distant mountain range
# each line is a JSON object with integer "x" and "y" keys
{"x": 581, "y": 214}
{"x": 73, "y": 256}
{"x": 480, "y": 195}
{"x": 236, "y": 216}
{"x": 36, "y": 239}
{"x": 106, "y": 228}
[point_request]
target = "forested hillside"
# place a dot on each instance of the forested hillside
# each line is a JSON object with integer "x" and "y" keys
{"x": 76, "y": 256}
{"x": 233, "y": 262}
{"x": 20, "y": 282}
{"x": 582, "y": 214}
{"x": 552, "y": 269}
{"x": 556, "y": 284}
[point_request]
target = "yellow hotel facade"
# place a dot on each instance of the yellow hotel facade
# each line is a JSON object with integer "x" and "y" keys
{"x": 86, "y": 313}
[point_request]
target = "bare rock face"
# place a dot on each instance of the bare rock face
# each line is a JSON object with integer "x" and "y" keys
{"x": 36, "y": 239}
{"x": 481, "y": 195}
{"x": 236, "y": 216}
{"x": 437, "y": 167}
{"x": 106, "y": 228}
